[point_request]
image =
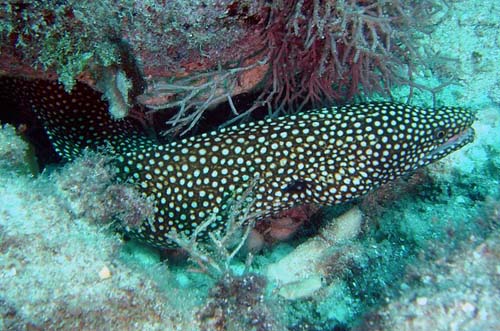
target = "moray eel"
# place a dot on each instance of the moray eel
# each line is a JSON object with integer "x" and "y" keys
{"x": 324, "y": 156}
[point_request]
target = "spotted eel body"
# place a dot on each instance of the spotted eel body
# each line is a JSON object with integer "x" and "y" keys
{"x": 325, "y": 156}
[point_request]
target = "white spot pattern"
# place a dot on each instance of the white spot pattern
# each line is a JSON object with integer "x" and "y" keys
{"x": 334, "y": 154}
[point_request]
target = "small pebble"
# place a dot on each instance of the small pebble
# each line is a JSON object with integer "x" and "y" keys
{"x": 105, "y": 273}
{"x": 468, "y": 307}
{"x": 421, "y": 301}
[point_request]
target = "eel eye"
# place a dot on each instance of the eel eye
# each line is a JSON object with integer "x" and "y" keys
{"x": 439, "y": 133}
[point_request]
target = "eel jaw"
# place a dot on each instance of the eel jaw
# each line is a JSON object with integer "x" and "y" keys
{"x": 454, "y": 143}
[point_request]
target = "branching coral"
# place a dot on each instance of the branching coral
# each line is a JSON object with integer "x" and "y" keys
{"x": 214, "y": 258}
{"x": 296, "y": 52}
{"x": 333, "y": 50}
{"x": 193, "y": 95}
{"x": 236, "y": 302}
{"x": 315, "y": 52}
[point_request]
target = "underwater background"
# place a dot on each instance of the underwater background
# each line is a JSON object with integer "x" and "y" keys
{"x": 420, "y": 253}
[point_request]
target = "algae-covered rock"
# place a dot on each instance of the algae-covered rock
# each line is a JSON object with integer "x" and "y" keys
{"x": 300, "y": 273}
{"x": 15, "y": 153}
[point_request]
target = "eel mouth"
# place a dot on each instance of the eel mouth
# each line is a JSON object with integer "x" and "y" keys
{"x": 455, "y": 142}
